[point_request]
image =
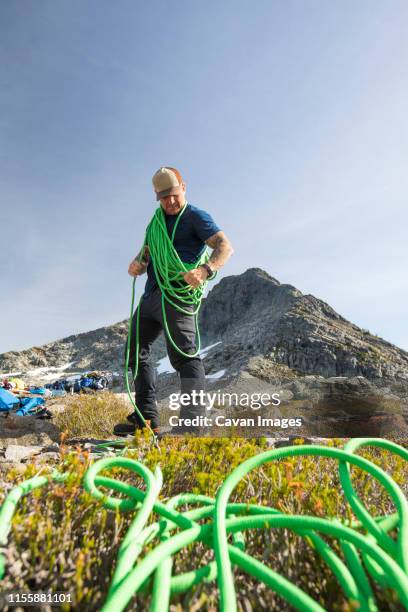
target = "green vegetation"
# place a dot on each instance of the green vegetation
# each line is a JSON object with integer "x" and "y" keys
{"x": 64, "y": 540}
{"x": 92, "y": 415}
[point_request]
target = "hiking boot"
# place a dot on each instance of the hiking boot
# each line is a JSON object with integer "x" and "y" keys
{"x": 132, "y": 418}
{"x": 125, "y": 429}
{"x": 129, "y": 429}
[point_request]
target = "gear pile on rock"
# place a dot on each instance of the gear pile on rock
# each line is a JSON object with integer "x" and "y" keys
{"x": 22, "y": 399}
{"x": 85, "y": 383}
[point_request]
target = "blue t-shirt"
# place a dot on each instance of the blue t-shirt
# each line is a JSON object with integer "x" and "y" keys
{"x": 194, "y": 228}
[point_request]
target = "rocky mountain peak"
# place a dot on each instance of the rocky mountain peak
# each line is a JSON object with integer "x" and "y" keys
{"x": 252, "y": 314}
{"x": 238, "y": 299}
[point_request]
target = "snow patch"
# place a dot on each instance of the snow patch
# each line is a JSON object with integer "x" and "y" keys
{"x": 10, "y": 374}
{"x": 44, "y": 370}
{"x": 216, "y": 375}
{"x": 164, "y": 366}
{"x": 206, "y": 349}
{"x": 49, "y": 373}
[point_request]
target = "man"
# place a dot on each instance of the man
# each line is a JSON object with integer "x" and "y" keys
{"x": 194, "y": 229}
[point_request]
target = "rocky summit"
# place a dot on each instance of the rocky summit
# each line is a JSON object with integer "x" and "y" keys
{"x": 259, "y": 335}
{"x": 244, "y": 316}
{"x": 254, "y": 314}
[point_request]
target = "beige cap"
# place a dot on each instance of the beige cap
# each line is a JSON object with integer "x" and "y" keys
{"x": 167, "y": 181}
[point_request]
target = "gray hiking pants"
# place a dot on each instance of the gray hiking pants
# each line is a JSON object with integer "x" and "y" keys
{"x": 190, "y": 369}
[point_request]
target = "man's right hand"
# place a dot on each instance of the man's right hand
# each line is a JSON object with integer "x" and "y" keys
{"x": 136, "y": 268}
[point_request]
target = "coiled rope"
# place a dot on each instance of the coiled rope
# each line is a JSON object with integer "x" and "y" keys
{"x": 369, "y": 552}
{"x": 169, "y": 270}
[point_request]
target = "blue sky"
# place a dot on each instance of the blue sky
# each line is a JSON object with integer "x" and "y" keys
{"x": 287, "y": 119}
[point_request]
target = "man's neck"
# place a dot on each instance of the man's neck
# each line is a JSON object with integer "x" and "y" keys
{"x": 179, "y": 212}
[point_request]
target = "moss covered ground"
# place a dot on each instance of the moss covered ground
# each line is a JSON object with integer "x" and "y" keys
{"x": 64, "y": 540}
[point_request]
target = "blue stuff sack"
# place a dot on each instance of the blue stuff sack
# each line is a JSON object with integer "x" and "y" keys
{"x": 86, "y": 382}
{"x": 28, "y": 404}
{"x": 7, "y": 400}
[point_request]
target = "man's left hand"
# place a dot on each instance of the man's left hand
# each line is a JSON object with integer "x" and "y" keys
{"x": 195, "y": 277}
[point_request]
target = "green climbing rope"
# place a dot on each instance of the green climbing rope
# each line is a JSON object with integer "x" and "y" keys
{"x": 370, "y": 554}
{"x": 169, "y": 270}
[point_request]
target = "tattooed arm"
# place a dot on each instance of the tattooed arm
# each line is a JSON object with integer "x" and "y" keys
{"x": 143, "y": 256}
{"x": 222, "y": 250}
{"x": 139, "y": 264}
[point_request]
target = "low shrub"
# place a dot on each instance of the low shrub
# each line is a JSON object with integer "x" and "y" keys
{"x": 64, "y": 540}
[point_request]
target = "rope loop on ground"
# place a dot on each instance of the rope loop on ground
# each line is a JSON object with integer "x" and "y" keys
{"x": 369, "y": 554}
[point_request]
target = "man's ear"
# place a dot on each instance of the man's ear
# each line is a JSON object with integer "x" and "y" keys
{"x": 183, "y": 186}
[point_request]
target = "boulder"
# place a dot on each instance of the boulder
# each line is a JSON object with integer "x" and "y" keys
{"x": 27, "y": 431}
{"x": 15, "y": 452}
